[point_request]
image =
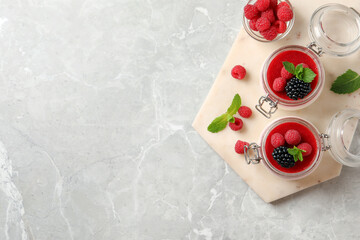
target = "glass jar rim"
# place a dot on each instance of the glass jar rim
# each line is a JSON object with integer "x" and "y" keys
{"x": 305, "y": 172}
{"x": 292, "y": 103}
{"x": 320, "y": 36}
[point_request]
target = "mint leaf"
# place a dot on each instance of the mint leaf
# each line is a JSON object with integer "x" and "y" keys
{"x": 296, "y": 153}
{"x": 289, "y": 67}
{"x": 300, "y": 156}
{"x": 346, "y": 83}
{"x": 230, "y": 118}
{"x": 299, "y": 70}
{"x": 309, "y": 75}
{"x": 235, "y": 105}
{"x": 218, "y": 123}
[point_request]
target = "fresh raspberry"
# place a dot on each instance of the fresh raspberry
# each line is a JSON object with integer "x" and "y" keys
{"x": 250, "y": 12}
{"x": 252, "y": 24}
{"x": 282, "y": 4}
{"x": 262, "y": 5}
{"x": 292, "y": 137}
{"x": 277, "y": 140}
{"x": 239, "y": 146}
{"x": 263, "y": 24}
{"x": 245, "y": 112}
{"x": 273, "y": 4}
{"x": 285, "y": 74}
{"x": 238, "y": 72}
{"x": 304, "y": 65}
{"x": 306, "y": 147}
{"x": 280, "y": 26}
{"x": 269, "y": 14}
{"x": 269, "y": 34}
{"x": 284, "y": 14}
{"x": 237, "y": 125}
{"x": 279, "y": 84}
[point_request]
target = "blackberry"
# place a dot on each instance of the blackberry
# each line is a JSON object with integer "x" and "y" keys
{"x": 297, "y": 89}
{"x": 282, "y": 157}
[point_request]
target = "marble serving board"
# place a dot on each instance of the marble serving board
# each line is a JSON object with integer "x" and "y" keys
{"x": 252, "y": 54}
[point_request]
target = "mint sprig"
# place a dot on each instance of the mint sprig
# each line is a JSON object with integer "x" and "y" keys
{"x": 296, "y": 153}
{"x": 346, "y": 83}
{"x": 305, "y": 74}
{"x": 220, "y": 122}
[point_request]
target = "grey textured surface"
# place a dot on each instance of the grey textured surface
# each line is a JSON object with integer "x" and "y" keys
{"x": 95, "y": 123}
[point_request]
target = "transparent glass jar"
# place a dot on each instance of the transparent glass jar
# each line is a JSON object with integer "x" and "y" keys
{"x": 342, "y": 139}
{"x": 257, "y": 36}
{"x": 326, "y": 25}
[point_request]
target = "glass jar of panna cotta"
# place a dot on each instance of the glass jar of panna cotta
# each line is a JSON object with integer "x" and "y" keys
{"x": 334, "y": 30}
{"x": 342, "y": 139}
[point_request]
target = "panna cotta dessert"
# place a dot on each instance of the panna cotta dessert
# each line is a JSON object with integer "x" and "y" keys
{"x": 285, "y": 137}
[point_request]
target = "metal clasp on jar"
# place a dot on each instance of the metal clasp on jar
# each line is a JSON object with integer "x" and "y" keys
{"x": 325, "y": 142}
{"x": 263, "y": 111}
{"x": 315, "y": 48}
{"x": 252, "y": 154}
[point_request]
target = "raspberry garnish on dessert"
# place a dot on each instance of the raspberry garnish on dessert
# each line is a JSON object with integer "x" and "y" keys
{"x": 277, "y": 140}
{"x": 292, "y": 137}
{"x": 279, "y": 84}
{"x": 306, "y": 147}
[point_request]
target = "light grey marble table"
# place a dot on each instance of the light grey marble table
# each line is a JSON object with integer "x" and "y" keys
{"x": 96, "y": 104}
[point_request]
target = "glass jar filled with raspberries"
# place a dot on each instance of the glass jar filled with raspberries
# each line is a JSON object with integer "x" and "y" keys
{"x": 268, "y": 20}
{"x": 293, "y": 76}
{"x": 292, "y": 147}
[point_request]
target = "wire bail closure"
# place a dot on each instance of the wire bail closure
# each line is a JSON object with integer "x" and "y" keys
{"x": 273, "y": 106}
{"x": 253, "y": 147}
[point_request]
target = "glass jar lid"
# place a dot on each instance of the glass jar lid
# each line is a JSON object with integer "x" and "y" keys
{"x": 343, "y": 137}
{"x": 335, "y": 29}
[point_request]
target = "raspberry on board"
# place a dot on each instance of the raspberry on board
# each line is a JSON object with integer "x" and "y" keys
{"x": 269, "y": 34}
{"x": 280, "y": 26}
{"x": 306, "y": 147}
{"x": 269, "y": 14}
{"x": 262, "y": 5}
{"x": 237, "y": 125}
{"x": 250, "y": 12}
{"x": 279, "y": 84}
{"x": 238, "y": 72}
{"x": 277, "y": 140}
{"x": 263, "y": 24}
{"x": 284, "y": 14}
{"x": 239, "y": 146}
{"x": 292, "y": 137}
{"x": 285, "y": 74}
{"x": 245, "y": 112}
